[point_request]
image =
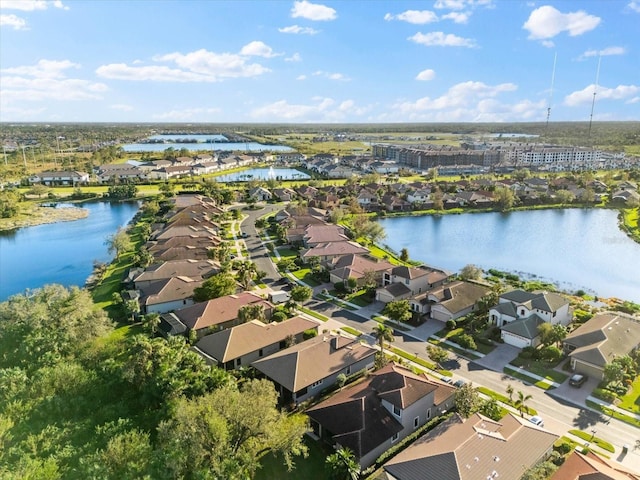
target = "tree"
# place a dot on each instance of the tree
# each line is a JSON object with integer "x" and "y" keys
{"x": 383, "y": 333}
{"x": 127, "y": 455}
{"x": 612, "y": 373}
{"x": 132, "y": 307}
{"x": 565, "y": 196}
{"x": 301, "y": 293}
{"x": 521, "y": 402}
{"x": 246, "y": 313}
{"x": 245, "y": 272}
{"x": 437, "y": 354}
{"x": 552, "y": 334}
{"x": 505, "y": 198}
{"x": 352, "y": 284}
{"x": 541, "y": 471}
{"x": 467, "y": 400}
{"x": 398, "y": 310}
{"x": 118, "y": 243}
{"x": 470, "y": 272}
{"x": 343, "y": 465}
{"x": 490, "y": 408}
{"x": 374, "y": 232}
{"x": 222, "y": 253}
{"x": 144, "y": 258}
{"x": 404, "y": 254}
{"x": 225, "y": 433}
{"x": 510, "y": 391}
{"x": 215, "y": 287}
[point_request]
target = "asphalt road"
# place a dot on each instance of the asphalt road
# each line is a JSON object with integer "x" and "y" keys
{"x": 257, "y": 251}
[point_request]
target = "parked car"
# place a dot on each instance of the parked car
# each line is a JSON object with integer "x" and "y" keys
{"x": 446, "y": 379}
{"x": 536, "y": 420}
{"x": 459, "y": 383}
{"x": 577, "y": 380}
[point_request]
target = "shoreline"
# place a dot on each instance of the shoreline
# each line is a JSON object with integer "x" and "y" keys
{"x": 43, "y": 215}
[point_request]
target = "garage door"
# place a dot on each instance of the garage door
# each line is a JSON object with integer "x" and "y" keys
{"x": 515, "y": 340}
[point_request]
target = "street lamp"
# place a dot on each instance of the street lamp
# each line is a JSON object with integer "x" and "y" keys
{"x": 593, "y": 434}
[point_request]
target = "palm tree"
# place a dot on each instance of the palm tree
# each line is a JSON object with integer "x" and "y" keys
{"x": 382, "y": 333}
{"x": 510, "y": 391}
{"x": 245, "y": 273}
{"x": 520, "y": 402}
{"x": 343, "y": 465}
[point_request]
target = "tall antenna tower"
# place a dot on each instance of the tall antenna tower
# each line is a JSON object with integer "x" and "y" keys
{"x": 553, "y": 78}
{"x": 595, "y": 88}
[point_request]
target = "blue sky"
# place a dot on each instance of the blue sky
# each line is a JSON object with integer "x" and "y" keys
{"x": 325, "y": 61}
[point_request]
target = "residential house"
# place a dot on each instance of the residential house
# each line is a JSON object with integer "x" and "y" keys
{"x": 366, "y": 198}
{"x": 121, "y": 172}
{"x": 420, "y": 196}
{"x": 330, "y": 251}
{"x": 370, "y": 417}
{"x": 316, "y": 234}
{"x": 449, "y": 301}
{"x": 169, "y": 294}
{"x": 302, "y": 371}
{"x": 589, "y": 466}
{"x": 358, "y": 266}
{"x": 598, "y": 341}
{"x": 477, "y": 448}
{"x": 63, "y": 177}
{"x": 528, "y": 310}
{"x": 260, "y": 194}
{"x": 243, "y": 344}
{"x": 216, "y": 314}
{"x": 415, "y": 280}
{"x": 284, "y": 194}
{"x": 195, "y": 269}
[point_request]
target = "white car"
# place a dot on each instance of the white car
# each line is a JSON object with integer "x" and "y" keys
{"x": 536, "y": 420}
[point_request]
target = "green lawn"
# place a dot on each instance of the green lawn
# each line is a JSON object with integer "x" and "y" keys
{"x": 614, "y": 414}
{"x": 310, "y": 468}
{"x": 465, "y": 353}
{"x": 314, "y": 314}
{"x": 588, "y": 437}
{"x": 631, "y": 401}
{"x": 287, "y": 253}
{"x": 306, "y": 276}
{"x": 522, "y": 375}
{"x": 504, "y": 399}
{"x": 352, "y": 331}
{"x": 539, "y": 369}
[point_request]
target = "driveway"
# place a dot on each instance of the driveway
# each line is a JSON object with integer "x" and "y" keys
{"x": 576, "y": 396}
{"x": 498, "y": 358}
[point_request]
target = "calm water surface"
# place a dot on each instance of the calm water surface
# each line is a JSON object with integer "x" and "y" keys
{"x": 574, "y": 248}
{"x": 263, "y": 174}
{"x": 225, "y": 146}
{"x": 59, "y": 252}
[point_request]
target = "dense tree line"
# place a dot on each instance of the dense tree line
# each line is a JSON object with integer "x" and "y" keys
{"x": 80, "y": 399}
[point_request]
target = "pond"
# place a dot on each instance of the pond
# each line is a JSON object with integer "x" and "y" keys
{"x": 61, "y": 252}
{"x": 263, "y": 174}
{"x": 573, "y": 248}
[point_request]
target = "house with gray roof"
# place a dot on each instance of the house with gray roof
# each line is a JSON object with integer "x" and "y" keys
{"x": 195, "y": 269}
{"x": 304, "y": 370}
{"x": 518, "y": 313}
{"x": 477, "y": 448}
{"x": 449, "y": 301}
{"x": 371, "y": 416}
{"x": 598, "y": 341}
{"x": 358, "y": 267}
{"x": 241, "y": 345}
{"x": 416, "y": 280}
{"x": 170, "y": 294}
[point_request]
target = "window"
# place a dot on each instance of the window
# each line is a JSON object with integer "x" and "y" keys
{"x": 397, "y": 412}
{"x": 428, "y": 414}
{"x": 416, "y": 422}
{"x": 407, "y": 281}
{"x": 395, "y": 437}
{"x": 316, "y": 384}
{"x": 238, "y": 362}
{"x": 260, "y": 353}
{"x": 522, "y": 311}
{"x": 349, "y": 370}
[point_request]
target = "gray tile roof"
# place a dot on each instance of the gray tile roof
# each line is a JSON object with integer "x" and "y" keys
{"x": 524, "y": 327}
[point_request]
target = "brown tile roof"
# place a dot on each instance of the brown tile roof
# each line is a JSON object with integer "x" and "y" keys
{"x": 361, "y": 264}
{"x": 301, "y": 365}
{"x": 218, "y": 311}
{"x": 458, "y": 296}
{"x": 603, "y": 337}
{"x": 473, "y": 449}
{"x": 249, "y": 337}
{"x": 334, "y": 248}
{"x": 189, "y": 268}
{"x": 315, "y": 234}
{"x": 355, "y": 415}
{"x": 181, "y": 231}
{"x": 578, "y": 466}
{"x": 169, "y": 290}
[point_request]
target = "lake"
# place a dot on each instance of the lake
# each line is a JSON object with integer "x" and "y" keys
{"x": 263, "y": 174}
{"x": 573, "y": 248}
{"x": 61, "y": 252}
{"x": 200, "y": 142}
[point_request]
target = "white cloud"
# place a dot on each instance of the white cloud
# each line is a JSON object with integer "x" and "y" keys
{"x": 46, "y": 80}
{"x": 331, "y": 76}
{"x": 457, "y": 17}
{"x": 258, "y": 49}
{"x": 312, "y": 11}
{"x": 301, "y": 77}
{"x": 294, "y": 58}
{"x": 198, "y": 66}
{"x": 299, "y": 30}
{"x": 605, "y": 52}
{"x": 187, "y": 114}
{"x": 122, "y": 107}
{"x": 417, "y": 17}
{"x": 426, "y": 75}
{"x": 31, "y": 5}
{"x": 634, "y": 5}
{"x": 13, "y": 21}
{"x": 548, "y": 43}
{"x": 634, "y": 100}
{"x": 585, "y": 96}
{"x": 547, "y": 22}
{"x": 461, "y": 4}
{"x": 442, "y": 39}
{"x": 322, "y": 110}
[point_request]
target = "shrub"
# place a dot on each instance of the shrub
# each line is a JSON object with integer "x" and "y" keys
{"x": 550, "y": 354}
{"x": 451, "y": 324}
{"x": 603, "y": 394}
{"x": 563, "y": 448}
{"x": 307, "y": 334}
{"x": 279, "y": 316}
{"x": 465, "y": 341}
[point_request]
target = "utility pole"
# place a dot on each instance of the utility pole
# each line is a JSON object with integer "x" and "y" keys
{"x": 595, "y": 88}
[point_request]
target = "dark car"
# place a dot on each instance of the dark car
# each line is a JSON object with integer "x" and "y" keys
{"x": 577, "y": 380}
{"x": 459, "y": 383}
